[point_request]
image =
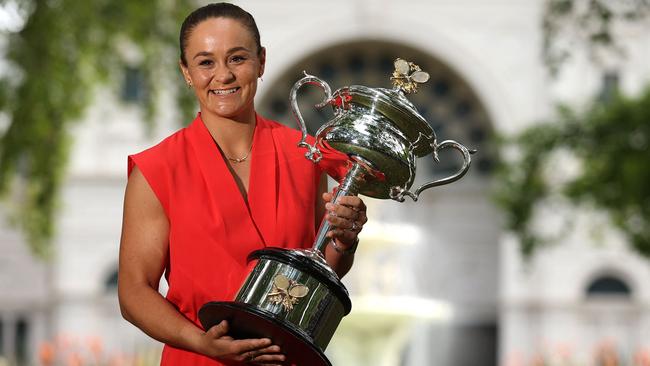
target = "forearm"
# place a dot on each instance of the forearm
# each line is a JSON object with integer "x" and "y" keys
{"x": 148, "y": 310}
{"x": 339, "y": 262}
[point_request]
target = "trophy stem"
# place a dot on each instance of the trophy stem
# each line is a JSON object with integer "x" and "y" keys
{"x": 348, "y": 187}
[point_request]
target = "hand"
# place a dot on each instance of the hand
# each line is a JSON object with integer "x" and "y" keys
{"x": 217, "y": 344}
{"x": 347, "y": 216}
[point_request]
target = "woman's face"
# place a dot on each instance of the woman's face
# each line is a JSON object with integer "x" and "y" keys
{"x": 223, "y": 66}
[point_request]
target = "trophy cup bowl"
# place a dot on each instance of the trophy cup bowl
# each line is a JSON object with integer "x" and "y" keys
{"x": 370, "y": 147}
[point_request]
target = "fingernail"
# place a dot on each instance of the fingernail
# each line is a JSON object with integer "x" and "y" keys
{"x": 329, "y": 206}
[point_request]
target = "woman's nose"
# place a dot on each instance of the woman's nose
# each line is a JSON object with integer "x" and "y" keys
{"x": 223, "y": 74}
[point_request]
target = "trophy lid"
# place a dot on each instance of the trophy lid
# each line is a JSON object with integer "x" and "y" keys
{"x": 393, "y": 104}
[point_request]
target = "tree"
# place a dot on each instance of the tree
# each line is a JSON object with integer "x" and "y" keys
{"x": 64, "y": 50}
{"x": 609, "y": 139}
{"x": 571, "y": 24}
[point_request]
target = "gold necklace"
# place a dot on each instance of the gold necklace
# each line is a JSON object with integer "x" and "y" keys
{"x": 242, "y": 159}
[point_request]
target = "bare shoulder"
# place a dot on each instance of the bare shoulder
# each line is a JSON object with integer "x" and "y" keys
{"x": 144, "y": 242}
{"x": 139, "y": 191}
{"x": 143, "y": 212}
{"x": 145, "y": 227}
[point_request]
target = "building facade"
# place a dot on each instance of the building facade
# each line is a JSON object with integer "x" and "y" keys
{"x": 438, "y": 277}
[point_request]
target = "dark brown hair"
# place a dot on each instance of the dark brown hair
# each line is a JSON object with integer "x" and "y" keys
{"x": 217, "y": 10}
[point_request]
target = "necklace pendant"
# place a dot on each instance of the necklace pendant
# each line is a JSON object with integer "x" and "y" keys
{"x": 242, "y": 159}
{"x": 238, "y": 160}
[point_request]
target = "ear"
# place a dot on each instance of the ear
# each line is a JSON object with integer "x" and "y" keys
{"x": 262, "y": 61}
{"x": 185, "y": 72}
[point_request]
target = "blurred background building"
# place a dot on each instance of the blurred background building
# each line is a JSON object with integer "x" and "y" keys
{"x": 436, "y": 282}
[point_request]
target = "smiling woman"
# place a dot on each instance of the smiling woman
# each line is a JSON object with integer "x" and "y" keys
{"x": 223, "y": 66}
{"x": 204, "y": 198}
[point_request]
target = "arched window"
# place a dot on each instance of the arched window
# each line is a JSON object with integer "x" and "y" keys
{"x": 608, "y": 285}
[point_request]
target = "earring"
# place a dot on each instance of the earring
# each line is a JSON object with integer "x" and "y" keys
{"x": 189, "y": 85}
{"x": 261, "y": 79}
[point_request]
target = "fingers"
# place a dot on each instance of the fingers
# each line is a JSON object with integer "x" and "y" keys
{"x": 265, "y": 356}
{"x": 343, "y": 224}
{"x": 240, "y": 346}
{"x": 353, "y": 202}
{"x": 349, "y": 207}
{"x": 246, "y": 347}
{"x": 254, "y": 351}
{"x": 218, "y": 330}
{"x": 340, "y": 212}
{"x": 327, "y": 197}
{"x": 270, "y": 349}
{"x": 346, "y": 217}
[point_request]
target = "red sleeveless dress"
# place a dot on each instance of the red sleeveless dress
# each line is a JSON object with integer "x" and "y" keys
{"x": 212, "y": 227}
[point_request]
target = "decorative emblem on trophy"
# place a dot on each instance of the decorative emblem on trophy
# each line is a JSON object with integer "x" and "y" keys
{"x": 407, "y": 76}
{"x": 286, "y": 292}
{"x": 370, "y": 145}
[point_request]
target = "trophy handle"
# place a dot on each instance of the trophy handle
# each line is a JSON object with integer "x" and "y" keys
{"x": 313, "y": 152}
{"x": 398, "y": 193}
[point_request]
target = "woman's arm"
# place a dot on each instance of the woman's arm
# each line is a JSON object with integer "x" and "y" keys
{"x": 347, "y": 217}
{"x": 143, "y": 256}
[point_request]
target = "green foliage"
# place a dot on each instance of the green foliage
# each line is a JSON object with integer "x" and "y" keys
{"x": 611, "y": 142}
{"x": 616, "y": 177}
{"x": 65, "y": 49}
{"x": 568, "y": 24}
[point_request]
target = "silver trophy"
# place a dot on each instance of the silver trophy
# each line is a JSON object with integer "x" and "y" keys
{"x": 370, "y": 145}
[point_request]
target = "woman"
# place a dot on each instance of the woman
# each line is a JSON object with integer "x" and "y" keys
{"x": 204, "y": 198}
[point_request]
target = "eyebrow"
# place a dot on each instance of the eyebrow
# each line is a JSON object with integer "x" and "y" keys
{"x": 232, "y": 50}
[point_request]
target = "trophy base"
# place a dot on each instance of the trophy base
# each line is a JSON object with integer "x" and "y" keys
{"x": 247, "y": 321}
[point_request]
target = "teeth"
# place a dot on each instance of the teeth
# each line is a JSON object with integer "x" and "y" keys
{"x": 224, "y": 91}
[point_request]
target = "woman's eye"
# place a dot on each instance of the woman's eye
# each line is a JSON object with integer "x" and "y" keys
{"x": 205, "y": 63}
{"x": 237, "y": 59}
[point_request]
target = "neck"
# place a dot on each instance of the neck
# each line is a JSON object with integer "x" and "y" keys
{"x": 247, "y": 116}
{"x": 233, "y": 135}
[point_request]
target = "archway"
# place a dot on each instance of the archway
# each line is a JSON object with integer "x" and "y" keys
{"x": 447, "y": 102}
{"x": 456, "y": 258}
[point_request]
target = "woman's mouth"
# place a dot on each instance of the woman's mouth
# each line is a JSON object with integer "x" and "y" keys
{"x": 224, "y": 91}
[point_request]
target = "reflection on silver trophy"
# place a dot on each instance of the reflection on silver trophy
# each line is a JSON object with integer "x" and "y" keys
{"x": 369, "y": 147}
